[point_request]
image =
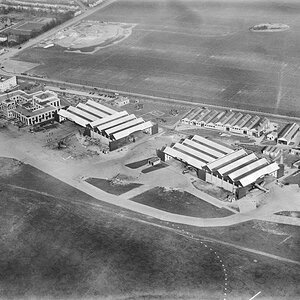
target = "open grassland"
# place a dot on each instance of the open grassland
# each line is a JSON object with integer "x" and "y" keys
{"x": 180, "y": 202}
{"x": 201, "y": 51}
{"x": 56, "y": 244}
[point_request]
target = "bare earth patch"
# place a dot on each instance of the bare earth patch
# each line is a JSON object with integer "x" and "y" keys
{"x": 9, "y": 167}
{"x": 90, "y": 36}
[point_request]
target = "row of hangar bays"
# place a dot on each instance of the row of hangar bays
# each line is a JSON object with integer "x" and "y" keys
{"x": 236, "y": 171}
{"x": 114, "y": 128}
{"x": 239, "y": 123}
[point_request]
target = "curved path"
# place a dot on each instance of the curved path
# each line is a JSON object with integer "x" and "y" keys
{"x": 25, "y": 149}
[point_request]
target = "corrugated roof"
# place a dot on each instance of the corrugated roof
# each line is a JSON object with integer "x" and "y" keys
{"x": 109, "y": 118}
{"x": 251, "y": 123}
{"x": 131, "y": 130}
{"x": 212, "y": 144}
{"x": 288, "y": 132}
{"x": 226, "y": 159}
{"x": 82, "y": 113}
{"x": 96, "y": 112}
{"x": 72, "y": 117}
{"x": 236, "y": 164}
{"x": 226, "y": 118}
{"x": 243, "y": 121}
{"x": 194, "y": 112}
{"x": 203, "y": 148}
{"x": 234, "y": 119}
{"x": 184, "y": 157}
{"x": 203, "y": 114}
{"x": 217, "y": 117}
{"x": 197, "y": 154}
{"x": 116, "y": 122}
{"x": 209, "y": 116}
{"x": 247, "y": 169}
{"x": 101, "y": 107}
{"x": 124, "y": 126}
{"x": 251, "y": 178}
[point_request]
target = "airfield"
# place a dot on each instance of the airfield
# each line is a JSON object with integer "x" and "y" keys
{"x": 194, "y": 50}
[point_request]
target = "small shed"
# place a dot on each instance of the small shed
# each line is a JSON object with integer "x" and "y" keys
{"x": 272, "y": 136}
{"x": 153, "y": 161}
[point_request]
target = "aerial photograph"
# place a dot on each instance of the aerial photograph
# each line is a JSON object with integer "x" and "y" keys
{"x": 150, "y": 149}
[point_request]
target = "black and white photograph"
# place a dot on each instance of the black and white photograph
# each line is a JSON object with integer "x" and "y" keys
{"x": 149, "y": 149}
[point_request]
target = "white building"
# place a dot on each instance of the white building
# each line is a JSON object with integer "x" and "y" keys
{"x": 7, "y": 83}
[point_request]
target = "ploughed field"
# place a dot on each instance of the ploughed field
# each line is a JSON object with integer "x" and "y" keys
{"x": 201, "y": 51}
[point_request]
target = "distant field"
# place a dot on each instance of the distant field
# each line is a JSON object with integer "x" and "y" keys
{"x": 200, "y": 51}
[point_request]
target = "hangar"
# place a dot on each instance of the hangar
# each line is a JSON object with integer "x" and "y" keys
{"x": 99, "y": 121}
{"x": 235, "y": 122}
{"x": 234, "y": 170}
{"x": 287, "y": 134}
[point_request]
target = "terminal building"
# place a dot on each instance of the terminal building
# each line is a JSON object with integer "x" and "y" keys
{"x": 30, "y": 109}
{"x": 100, "y": 121}
{"x": 230, "y": 121}
{"x": 234, "y": 170}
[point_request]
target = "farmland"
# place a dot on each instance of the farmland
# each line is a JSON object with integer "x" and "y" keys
{"x": 201, "y": 51}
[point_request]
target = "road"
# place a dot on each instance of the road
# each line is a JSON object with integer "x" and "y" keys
{"x": 14, "y": 51}
{"x": 57, "y": 83}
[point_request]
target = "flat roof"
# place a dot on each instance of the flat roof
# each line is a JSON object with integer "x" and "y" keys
{"x": 96, "y": 112}
{"x": 82, "y": 113}
{"x": 128, "y": 131}
{"x": 123, "y": 126}
{"x": 211, "y": 144}
{"x": 99, "y": 106}
{"x": 184, "y": 157}
{"x": 72, "y": 117}
{"x": 116, "y": 122}
{"x": 28, "y": 113}
{"x": 202, "y": 148}
{"x": 109, "y": 118}
{"x": 226, "y": 159}
{"x": 200, "y": 156}
{"x": 252, "y": 166}
{"x": 237, "y": 164}
{"x": 245, "y": 181}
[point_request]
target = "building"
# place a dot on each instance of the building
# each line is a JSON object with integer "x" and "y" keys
{"x": 31, "y": 109}
{"x": 287, "y": 134}
{"x": 272, "y": 136}
{"x": 7, "y": 83}
{"x": 272, "y": 151}
{"x": 230, "y": 121}
{"x": 295, "y": 151}
{"x": 121, "y": 101}
{"x": 235, "y": 171}
{"x": 102, "y": 122}
{"x": 153, "y": 161}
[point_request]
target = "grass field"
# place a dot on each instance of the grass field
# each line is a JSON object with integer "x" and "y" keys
{"x": 179, "y": 202}
{"x": 64, "y": 248}
{"x": 200, "y": 51}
